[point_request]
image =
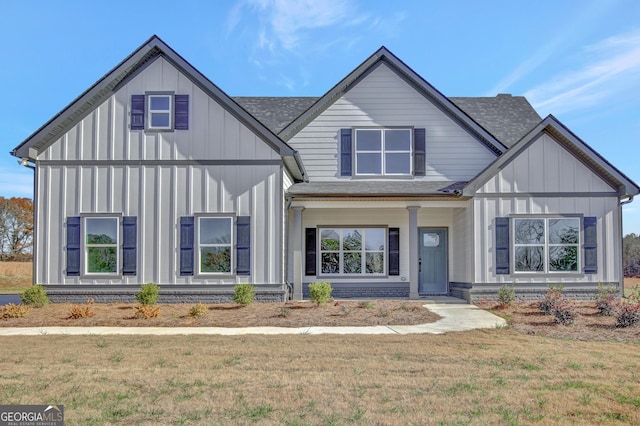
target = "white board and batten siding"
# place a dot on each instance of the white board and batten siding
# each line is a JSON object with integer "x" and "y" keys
{"x": 159, "y": 194}
{"x": 546, "y": 166}
{"x": 384, "y": 99}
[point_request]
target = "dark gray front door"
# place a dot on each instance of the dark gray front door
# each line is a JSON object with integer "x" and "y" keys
{"x": 433, "y": 260}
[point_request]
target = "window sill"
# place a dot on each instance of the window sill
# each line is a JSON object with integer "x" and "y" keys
{"x": 350, "y": 277}
{"x": 547, "y": 275}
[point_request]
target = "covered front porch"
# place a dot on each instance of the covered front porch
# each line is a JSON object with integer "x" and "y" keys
{"x": 378, "y": 248}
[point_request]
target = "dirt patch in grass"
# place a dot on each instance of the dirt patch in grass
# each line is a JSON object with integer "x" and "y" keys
{"x": 290, "y": 314}
{"x": 15, "y": 277}
{"x": 526, "y": 318}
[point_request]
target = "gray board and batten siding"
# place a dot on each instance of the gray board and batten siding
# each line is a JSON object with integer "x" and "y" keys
{"x": 168, "y": 175}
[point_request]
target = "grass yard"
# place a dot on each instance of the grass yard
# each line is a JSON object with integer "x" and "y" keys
{"x": 15, "y": 277}
{"x": 480, "y": 377}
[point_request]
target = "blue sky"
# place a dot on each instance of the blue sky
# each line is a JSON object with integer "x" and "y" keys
{"x": 579, "y": 60}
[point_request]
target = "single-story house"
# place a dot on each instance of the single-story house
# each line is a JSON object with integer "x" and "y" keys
{"x": 383, "y": 186}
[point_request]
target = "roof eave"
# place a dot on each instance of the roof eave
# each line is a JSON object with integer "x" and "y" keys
{"x": 626, "y": 187}
{"x": 79, "y": 107}
{"x": 384, "y": 55}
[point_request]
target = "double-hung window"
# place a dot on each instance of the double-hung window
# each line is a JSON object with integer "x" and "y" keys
{"x": 101, "y": 243}
{"x": 353, "y": 251}
{"x": 546, "y": 244}
{"x": 160, "y": 114}
{"x": 383, "y": 152}
{"x": 215, "y": 241}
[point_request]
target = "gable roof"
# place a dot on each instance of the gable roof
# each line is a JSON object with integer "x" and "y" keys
{"x": 572, "y": 143}
{"x": 109, "y": 83}
{"x": 381, "y": 56}
{"x": 506, "y": 117}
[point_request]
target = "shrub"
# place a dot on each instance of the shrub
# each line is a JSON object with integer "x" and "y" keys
{"x": 148, "y": 294}
{"x": 506, "y": 295}
{"x": 35, "y": 295}
{"x": 627, "y": 314}
{"x": 605, "y": 305}
{"x": 365, "y": 304}
{"x": 320, "y": 292}
{"x": 551, "y": 299}
{"x": 197, "y": 310}
{"x": 244, "y": 294}
{"x": 565, "y": 311}
{"x": 81, "y": 311}
{"x": 147, "y": 312}
{"x": 634, "y": 294}
{"x": 14, "y": 311}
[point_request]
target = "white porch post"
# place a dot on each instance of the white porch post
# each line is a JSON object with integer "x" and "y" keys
{"x": 413, "y": 251}
{"x": 296, "y": 243}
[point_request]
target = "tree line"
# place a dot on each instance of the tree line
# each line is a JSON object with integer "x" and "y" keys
{"x": 16, "y": 229}
{"x": 631, "y": 257}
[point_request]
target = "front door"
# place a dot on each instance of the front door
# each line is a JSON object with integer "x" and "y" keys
{"x": 433, "y": 260}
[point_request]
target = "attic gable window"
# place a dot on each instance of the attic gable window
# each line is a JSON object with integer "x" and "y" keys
{"x": 160, "y": 112}
{"x": 383, "y": 152}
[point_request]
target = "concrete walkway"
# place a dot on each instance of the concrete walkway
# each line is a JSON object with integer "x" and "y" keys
{"x": 455, "y": 317}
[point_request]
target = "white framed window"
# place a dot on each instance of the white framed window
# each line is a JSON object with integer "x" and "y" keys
{"x": 383, "y": 152}
{"x": 546, "y": 244}
{"x": 215, "y": 245}
{"x": 101, "y": 245}
{"x": 160, "y": 113}
{"x": 353, "y": 251}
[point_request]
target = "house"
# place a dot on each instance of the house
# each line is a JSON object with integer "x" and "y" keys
{"x": 383, "y": 186}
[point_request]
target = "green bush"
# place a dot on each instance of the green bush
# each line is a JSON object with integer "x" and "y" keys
{"x": 506, "y": 295}
{"x": 320, "y": 292}
{"x": 35, "y": 296}
{"x": 244, "y": 294}
{"x": 148, "y": 295}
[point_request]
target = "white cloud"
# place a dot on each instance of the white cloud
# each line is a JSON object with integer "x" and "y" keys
{"x": 283, "y": 22}
{"x": 611, "y": 68}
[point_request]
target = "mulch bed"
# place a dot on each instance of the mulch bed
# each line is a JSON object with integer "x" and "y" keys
{"x": 290, "y": 314}
{"x": 526, "y": 318}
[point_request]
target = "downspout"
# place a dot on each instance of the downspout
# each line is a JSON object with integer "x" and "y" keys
{"x": 25, "y": 162}
{"x": 620, "y": 204}
{"x": 627, "y": 201}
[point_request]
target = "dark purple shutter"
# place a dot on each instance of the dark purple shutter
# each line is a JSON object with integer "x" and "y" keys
{"x": 346, "y": 152}
{"x": 503, "y": 242}
{"x": 394, "y": 251}
{"x": 310, "y": 260}
{"x": 187, "y": 235}
{"x": 129, "y": 245}
{"x": 590, "y": 246}
{"x": 243, "y": 245}
{"x": 73, "y": 246}
{"x": 181, "y": 112}
{"x": 137, "y": 112}
{"x": 419, "y": 152}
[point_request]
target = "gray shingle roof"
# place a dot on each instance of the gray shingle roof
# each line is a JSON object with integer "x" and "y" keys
{"x": 275, "y": 112}
{"x": 376, "y": 188}
{"x": 508, "y": 118}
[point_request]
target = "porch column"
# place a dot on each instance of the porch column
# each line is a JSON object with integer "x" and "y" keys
{"x": 296, "y": 244}
{"x": 413, "y": 251}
